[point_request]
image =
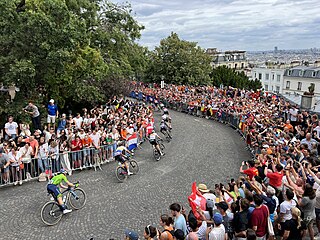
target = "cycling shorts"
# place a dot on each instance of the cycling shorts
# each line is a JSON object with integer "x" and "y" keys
{"x": 54, "y": 189}
{"x": 163, "y": 129}
{"x": 119, "y": 158}
{"x": 153, "y": 142}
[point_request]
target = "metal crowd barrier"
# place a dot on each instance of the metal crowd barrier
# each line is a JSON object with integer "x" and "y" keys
{"x": 32, "y": 168}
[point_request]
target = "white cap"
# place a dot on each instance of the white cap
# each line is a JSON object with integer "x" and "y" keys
{"x": 51, "y": 101}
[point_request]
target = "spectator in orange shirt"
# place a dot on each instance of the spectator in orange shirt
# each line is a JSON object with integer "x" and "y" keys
{"x": 289, "y": 126}
{"x": 86, "y": 144}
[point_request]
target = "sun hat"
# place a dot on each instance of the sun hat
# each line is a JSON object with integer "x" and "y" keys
{"x": 203, "y": 188}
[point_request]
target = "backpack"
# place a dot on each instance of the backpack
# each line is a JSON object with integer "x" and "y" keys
{"x": 169, "y": 231}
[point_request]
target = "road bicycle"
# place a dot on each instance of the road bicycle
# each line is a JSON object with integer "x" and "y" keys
{"x": 51, "y": 212}
{"x": 167, "y": 135}
{"x": 121, "y": 170}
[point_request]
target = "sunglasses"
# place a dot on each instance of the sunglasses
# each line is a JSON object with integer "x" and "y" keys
{"x": 148, "y": 228}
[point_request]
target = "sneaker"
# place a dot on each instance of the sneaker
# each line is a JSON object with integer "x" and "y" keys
{"x": 51, "y": 198}
{"x": 20, "y": 182}
{"x": 28, "y": 175}
{"x": 80, "y": 168}
{"x": 67, "y": 211}
{"x": 15, "y": 183}
{"x": 130, "y": 173}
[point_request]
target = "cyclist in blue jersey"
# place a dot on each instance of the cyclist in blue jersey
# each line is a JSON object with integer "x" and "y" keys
{"x": 53, "y": 188}
{"x": 119, "y": 155}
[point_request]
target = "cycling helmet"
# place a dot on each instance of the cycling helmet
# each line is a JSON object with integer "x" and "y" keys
{"x": 63, "y": 171}
{"x": 153, "y": 131}
{"x": 161, "y": 105}
{"x": 165, "y": 110}
{"x": 121, "y": 143}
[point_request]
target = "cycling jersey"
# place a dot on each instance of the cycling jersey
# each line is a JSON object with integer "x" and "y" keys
{"x": 163, "y": 125}
{"x": 53, "y": 184}
{"x": 120, "y": 150}
{"x": 56, "y": 180}
{"x": 152, "y": 136}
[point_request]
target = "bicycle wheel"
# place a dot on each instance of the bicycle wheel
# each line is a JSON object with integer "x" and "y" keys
{"x": 121, "y": 174}
{"x": 133, "y": 166}
{"x": 156, "y": 155}
{"x": 162, "y": 147}
{"x": 77, "y": 198}
{"x": 168, "y": 138}
{"x": 51, "y": 213}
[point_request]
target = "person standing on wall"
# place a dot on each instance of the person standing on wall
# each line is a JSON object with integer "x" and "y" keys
{"x": 53, "y": 113}
{"x": 35, "y": 115}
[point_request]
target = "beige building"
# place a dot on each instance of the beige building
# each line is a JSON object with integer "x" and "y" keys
{"x": 232, "y": 59}
{"x": 297, "y": 80}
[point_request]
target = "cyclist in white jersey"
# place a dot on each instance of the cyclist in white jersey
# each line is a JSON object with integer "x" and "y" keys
{"x": 153, "y": 141}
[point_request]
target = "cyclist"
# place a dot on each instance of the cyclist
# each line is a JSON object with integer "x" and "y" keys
{"x": 153, "y": 141}
{"x": 166, "y": 117}
{"x": 53, "y": 188}
{"x": 164, "y": 128}
{"x": 119, "y": 155}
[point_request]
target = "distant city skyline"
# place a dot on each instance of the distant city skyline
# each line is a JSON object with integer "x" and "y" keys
{"x": 252, "y": 25}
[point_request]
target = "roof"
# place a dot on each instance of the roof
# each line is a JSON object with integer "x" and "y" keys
{"x": 297, "y": 100}
{"x": 303, "y": 72}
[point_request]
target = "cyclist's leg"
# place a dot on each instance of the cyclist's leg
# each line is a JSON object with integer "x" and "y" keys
{"x": 54, "y": 190}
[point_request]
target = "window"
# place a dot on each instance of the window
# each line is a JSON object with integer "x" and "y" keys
{"x": 314, "y": 73}
{"x": 242, "y": 65}
{"x": 272, "y": 76}
{"x": 267, "y": 76}
{"x": 277, "y": 89}
{"x": 301, "y": 73}
{"x": 266, "y": 87}
{"x": 278, "y": 77}
{"x": 299, "y": 85}
{"x": 288, "y": 85}
{"x": 272, "y": 88}
{"x": 235, "y": 66}
{"x": 289, "y": 72}
{"x": 260, "y": 76}
{"x": 255, "y": 75}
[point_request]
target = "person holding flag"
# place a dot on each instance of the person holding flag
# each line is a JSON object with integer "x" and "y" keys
{"x": 196, "y": 199}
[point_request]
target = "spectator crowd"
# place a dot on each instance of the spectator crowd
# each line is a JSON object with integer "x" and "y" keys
{"x": 278, "y": 191}
{"x": 83, "y": 140}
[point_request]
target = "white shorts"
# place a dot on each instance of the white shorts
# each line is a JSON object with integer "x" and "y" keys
{"x": 51, "y": 119}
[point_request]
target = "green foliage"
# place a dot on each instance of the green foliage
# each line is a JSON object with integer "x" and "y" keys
{"x": 180, "y": 62}
{"x": 80, "y": 51}
{"x": 229, "y": 77}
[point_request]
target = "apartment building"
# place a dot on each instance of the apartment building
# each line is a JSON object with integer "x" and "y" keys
{"x": 298, "y": 79}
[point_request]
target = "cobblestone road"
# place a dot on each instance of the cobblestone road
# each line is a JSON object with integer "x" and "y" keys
{"x": 201, "y": 150}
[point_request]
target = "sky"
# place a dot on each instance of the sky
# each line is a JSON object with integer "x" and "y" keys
{"x": 231, "y": 24}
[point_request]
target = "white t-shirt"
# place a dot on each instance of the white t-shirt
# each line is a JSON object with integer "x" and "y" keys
{"x": 78, "y": 121}
{"x": 217, "y": 233}
{"x": 317, "y": 128}
{"x": 95, "y": 138}
{"x": 285, "y": 207}
{"x": 293, "y": 111}
{"x": 12, "y": 127}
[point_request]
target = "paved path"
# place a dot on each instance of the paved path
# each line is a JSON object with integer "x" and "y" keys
{"x": 202, "y": 150}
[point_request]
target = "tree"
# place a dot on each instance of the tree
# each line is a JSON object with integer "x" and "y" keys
{"x": 229, "y": 77}
{"x": 180, "y": 62}
{"x": 75, "y": 51}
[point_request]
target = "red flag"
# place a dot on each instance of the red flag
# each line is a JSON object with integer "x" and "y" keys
{"x": 196, "y": 199}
